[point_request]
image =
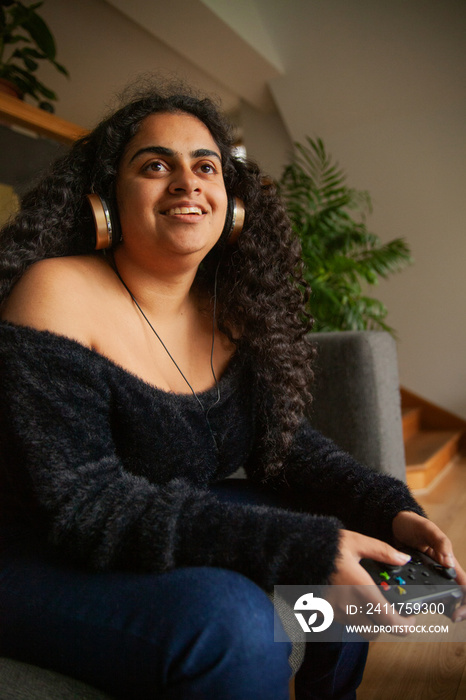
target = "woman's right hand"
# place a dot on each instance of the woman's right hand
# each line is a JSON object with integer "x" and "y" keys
{"x": 353, "y": 548}
{"x": 362, "y": 592}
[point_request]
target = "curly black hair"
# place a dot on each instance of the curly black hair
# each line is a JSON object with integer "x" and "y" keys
{"x": 261, "y": 294}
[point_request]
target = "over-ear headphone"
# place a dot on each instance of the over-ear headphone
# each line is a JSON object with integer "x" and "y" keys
{"x": 108, "y": 230}
{"x": 106, "y": 221}
{"x": 234, "y": 220}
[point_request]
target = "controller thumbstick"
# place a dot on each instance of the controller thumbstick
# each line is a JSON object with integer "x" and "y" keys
{"x": 446, "y": 571}
{"x": 450, "y": 572}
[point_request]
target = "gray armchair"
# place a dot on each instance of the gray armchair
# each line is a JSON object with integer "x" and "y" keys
{"x": 356, "y": 403}
{"x": 357, "y": 397}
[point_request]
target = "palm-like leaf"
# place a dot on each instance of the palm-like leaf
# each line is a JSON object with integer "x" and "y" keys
{"x": 341, "y": 255}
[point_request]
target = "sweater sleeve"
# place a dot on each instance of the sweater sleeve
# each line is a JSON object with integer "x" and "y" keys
{"x": 55, "y": 428}
{"x": 328, "y": 480}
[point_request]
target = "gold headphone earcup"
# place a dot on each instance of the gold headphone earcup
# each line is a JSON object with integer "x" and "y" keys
{"x": 102, "y": 221}
{"x": 237, "y": 223}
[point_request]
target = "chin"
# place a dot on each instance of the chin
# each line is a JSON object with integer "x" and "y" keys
{"x": 192, "y": 245}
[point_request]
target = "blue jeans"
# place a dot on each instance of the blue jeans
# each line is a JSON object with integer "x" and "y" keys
{"x": 192, "y": 633}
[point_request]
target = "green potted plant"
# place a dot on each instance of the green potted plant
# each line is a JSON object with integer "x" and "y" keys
{"x": 342, "y": 257}
{"x": 25, "y": 40}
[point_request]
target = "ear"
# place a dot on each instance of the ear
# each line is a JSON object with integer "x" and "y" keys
{"x": 234, "y": 221}
{"x": 107, "y": 225}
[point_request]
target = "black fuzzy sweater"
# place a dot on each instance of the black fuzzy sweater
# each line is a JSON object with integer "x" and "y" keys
{"x": 116, "y": 472}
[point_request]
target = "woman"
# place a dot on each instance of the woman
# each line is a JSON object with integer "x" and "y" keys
{"x": 134, "y": 382}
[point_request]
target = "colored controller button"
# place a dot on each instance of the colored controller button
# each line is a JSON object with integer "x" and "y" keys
{"x": 385, "y": 586}
{"x": 384, "y": 575}
{"x": 400, "y": 580}
{"x": 401, "y": 591}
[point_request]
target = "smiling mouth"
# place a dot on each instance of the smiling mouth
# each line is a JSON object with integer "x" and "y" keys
{"x": 184, "y": 210}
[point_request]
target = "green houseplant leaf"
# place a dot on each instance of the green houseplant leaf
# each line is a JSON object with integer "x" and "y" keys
{"x": 22, "y": 26}
{"x": 342, "y": 258}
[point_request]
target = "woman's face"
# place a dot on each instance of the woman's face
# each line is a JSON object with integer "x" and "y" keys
{"x": 170, "y": 191}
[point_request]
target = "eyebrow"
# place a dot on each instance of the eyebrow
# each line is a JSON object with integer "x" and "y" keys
{"x": 162, "y": 151}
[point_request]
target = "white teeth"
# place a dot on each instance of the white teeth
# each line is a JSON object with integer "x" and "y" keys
{"x": 185, "y": 210}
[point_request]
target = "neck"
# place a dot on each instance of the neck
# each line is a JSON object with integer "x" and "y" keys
{"x": 163, "y": 297}
{"x": 160, "y": 295}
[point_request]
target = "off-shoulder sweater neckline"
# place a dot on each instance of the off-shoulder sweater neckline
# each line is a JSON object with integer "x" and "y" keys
{"x": 58, "y": 341}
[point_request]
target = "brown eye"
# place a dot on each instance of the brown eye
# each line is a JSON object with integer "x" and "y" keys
{"x": 155, "y": 166}
{"x": 208, "y": 168}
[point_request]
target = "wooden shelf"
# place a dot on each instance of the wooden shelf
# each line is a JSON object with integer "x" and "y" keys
{"x": 15, "y": 111}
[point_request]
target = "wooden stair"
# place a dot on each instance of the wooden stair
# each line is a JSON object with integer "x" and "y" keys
{"x": 432, "y": 438}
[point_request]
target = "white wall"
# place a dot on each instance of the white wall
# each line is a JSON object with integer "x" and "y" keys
{"x": 104, "y": 52}
{"x": 384, "y": 83}
{"x": 266, "y": 139}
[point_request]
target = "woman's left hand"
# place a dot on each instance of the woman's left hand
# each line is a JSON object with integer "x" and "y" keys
{"x": 420, "y": 533}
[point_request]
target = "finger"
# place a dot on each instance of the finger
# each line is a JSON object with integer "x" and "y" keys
{"x": 460, "y": 572}
{"x": 383, "y": 552}
{"x": 422, "y": 534}
{"x": 436, "y": 544}
{"x": 459, "y": 614}
{"x": 446, "y": 559}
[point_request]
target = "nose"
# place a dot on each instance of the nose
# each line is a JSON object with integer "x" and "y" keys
{"x": 184, "y": 180}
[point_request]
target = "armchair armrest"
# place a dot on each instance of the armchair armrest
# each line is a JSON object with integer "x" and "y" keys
{"x": 357, "y": 398}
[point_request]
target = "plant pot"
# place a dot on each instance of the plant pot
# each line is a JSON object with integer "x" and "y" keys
{"x": 9, "y": 88}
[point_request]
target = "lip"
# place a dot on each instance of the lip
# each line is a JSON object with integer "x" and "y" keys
{"x": 184, "y": 208}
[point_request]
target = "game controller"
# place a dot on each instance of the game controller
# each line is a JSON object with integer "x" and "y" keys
{"x": 420, "y": 581}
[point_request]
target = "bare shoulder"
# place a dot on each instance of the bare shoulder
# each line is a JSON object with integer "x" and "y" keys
{"x": 55, "y": 294}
